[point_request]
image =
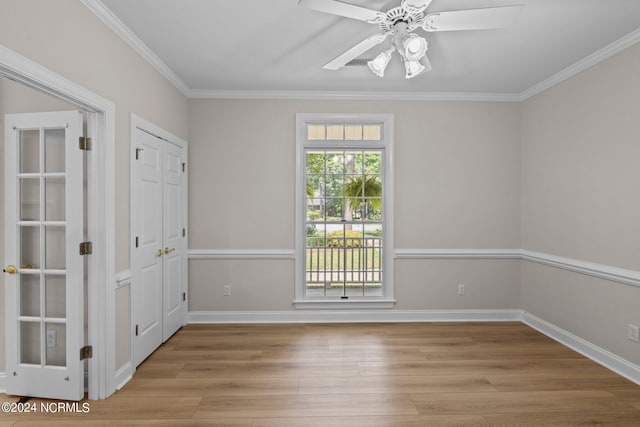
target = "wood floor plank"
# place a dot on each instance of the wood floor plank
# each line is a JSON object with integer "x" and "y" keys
{"x": 379, "y": 421}
{"x": 369, "y": 375}
{"x": 565, "y": 380}
{"x": 266, "y": 369}
{"x": 448, "y": 367}
{"x": 231, "y": 386}
{"x": 340, "y": 405}
{"x": 519, "y": 402}
{"x": 565, "y": 419}
{"x": 387, "y": 385}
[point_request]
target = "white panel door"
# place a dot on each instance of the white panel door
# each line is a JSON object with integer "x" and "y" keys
{"x": 159, "y": 253}
{"x": 147, "y": 266}
{"x": 173, "y": 240}
{"x": 44, "y": 214}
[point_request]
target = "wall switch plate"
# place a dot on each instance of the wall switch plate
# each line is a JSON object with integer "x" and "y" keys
{"x": 632, "y": 333}
{"x": 460, "y": 289}
{"x": 226, "y": 291}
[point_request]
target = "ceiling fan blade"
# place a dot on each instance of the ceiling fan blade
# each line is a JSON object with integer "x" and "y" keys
{"x": 356, "y": 51}
{"x": 344, "y": 9}
{"x": 472, "y": 19}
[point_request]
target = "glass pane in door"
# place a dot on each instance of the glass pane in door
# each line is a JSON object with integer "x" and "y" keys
{"x": 30, "y": 341}
{"x": 55, "y": 248}
{"x": 29, "y": 151}
{"x": 54, "y": 199}
{"x": 29, "y": 199}
{"x": 29, "y": 295}
{"x": 55, "y": 295}
{"x": 54, "y": 150}
{"x": 29, "y": 247}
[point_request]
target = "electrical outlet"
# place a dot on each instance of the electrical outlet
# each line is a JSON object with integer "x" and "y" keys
{"x": 51, "y": 339}
{"x": 226, "y": 291}
{"x": 632, "y": 332}
{"x": 460, "y": 289}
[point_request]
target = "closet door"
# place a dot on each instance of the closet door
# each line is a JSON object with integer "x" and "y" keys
{"x": 147, "y": 266}
{"x": 159, "y": 230}
{"x": 173, "y": 236}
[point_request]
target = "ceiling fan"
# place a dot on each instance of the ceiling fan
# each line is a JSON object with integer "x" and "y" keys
{"x": 400, "y": 22}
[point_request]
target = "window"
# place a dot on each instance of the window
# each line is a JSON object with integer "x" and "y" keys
{"x": 344, "y": 203}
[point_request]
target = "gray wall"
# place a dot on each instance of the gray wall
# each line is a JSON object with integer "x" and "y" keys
{"x": 457, "y": 185}
{"x": 580, "y": 175}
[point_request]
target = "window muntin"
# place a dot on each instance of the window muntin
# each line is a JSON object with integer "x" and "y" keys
{"x": 344, "y": 228}
{"x": 344, "y": 132}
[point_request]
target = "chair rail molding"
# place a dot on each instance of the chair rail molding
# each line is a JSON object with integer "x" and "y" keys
{"x": 601, "y": 271}
{"x": 240, "y": 254}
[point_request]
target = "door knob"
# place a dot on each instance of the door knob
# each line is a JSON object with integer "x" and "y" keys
{"x": 159, "y": 254}
{"x": 167, "y": 251}
{"x": 11, "y": 269}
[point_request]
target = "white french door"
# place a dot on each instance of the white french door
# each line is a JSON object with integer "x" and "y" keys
{"x": 44, "y": 273}
{"x": 159, "y": 248}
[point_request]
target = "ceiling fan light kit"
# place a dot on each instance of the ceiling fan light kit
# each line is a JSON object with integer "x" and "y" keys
{"x": 400, "y": 22}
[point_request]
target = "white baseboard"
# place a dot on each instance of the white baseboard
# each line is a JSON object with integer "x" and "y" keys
{"x": 609, "y": 360}
{"x": 360, "y": 316}
{"x": 123, "y": 375}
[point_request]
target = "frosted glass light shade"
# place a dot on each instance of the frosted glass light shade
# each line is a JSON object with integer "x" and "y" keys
{"x": 378, "y": 64}
{"x": 415, "y": 47}
{"x": 413, "y": 68}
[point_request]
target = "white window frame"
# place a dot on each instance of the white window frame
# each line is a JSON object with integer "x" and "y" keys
{"x": 387, "y": 300}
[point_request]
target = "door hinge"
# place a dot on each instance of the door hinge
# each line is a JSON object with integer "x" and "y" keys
{"x": 136, "y": 330}
{"x": 184, "y": 296}
{"x": 86, "y": 248}
{"x": 86, "y": 352}
{"x": 85, "y": 143}
{"x": 138, "y": 150}
{"x": 137, "y": 241}
{"x": 184, "y": 165}
{"x": 184, "y": 232}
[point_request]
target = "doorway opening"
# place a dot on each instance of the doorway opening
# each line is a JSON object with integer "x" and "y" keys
{"x": 100, "y": 266}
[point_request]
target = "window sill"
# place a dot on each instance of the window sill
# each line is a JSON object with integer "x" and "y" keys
{"x": 343, "y": 304}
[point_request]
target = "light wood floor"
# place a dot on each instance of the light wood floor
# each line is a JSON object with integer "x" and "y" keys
{"x": 370, "y": 375}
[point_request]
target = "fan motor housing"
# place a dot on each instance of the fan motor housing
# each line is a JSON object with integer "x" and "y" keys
{"x": 399, "y": 14}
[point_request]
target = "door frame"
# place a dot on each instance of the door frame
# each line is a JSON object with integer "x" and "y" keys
{"x": 100, "y": 205}
{"x": 138, "y": 122}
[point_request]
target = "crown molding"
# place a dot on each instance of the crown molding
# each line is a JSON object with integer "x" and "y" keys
{"x": 354, "y": 95}
{"x": 591, "y": 60}
{"x": 118, "y": 27}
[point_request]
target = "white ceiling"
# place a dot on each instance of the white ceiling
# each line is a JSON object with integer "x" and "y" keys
{"x": 276, "y": 45}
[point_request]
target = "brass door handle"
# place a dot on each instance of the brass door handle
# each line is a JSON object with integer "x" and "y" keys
{"x": 11, "y": 269}
{"x": 167, "y": 251}
{"x": 159, "y": 254}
